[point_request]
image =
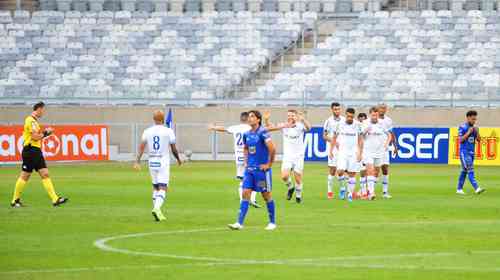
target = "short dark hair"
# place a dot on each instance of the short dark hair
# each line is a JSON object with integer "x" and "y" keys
{"x": 335, "y": 104}
{"x": 350, "y": 111}
{"x": 362, "y": 115}
{"x": 257, "y": 114}
{"x": 38, "y": 105}
{"x": 244, "y": 115}
{"x": 373, "y": 109}
{"x": 471, "y": 113}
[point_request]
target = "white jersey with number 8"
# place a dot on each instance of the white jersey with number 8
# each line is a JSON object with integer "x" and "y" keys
{"x": 158, "y": 139}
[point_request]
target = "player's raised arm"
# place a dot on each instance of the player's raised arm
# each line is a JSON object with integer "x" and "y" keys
{"x": 269, "y": 125}
{"x": 302, "y": 119}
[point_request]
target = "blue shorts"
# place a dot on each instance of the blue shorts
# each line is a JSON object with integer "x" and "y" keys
{"x": 258, "y": 180}
{"x": 467, "y": 160}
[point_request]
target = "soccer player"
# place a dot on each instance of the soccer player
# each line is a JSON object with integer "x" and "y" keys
{"x": 160, "y": 141}
{"x": 348, "y": 140}
{"x": 237, "y": 131}
{"x": 375, "y": 145}
{"x": 468, "y": 134}
{"x": 388, "y": 125}
{"x": 362, "y": 173}
{"x": 293, "y": 150}
{"x": 328, "y": 130}
{"x": 259, "y": 157}
{"x": 33, "y": 158}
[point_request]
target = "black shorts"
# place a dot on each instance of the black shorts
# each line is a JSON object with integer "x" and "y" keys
{"x": 32, "y": 159}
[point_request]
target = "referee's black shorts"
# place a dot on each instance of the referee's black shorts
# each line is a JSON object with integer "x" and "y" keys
{"x": 32, "y": 159}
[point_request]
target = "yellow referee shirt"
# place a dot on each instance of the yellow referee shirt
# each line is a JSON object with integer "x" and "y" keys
{"x": 31, "y": 125}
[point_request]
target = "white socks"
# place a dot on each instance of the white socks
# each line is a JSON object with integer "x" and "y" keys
{"x": 385, "y": 183}
{"x": 330, "y": 182}
{"x": 158, "y": 198}
{"x": 362, "y": 183}
{"x": 372, "y": 180}
{"x": 342, "y": 182}
{"x": 298, "y": 191}
{"x": 351, "y": 184}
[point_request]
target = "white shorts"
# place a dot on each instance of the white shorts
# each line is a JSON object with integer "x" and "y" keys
{"x": 296, "y": 164}
{"x": 386, "y": 158}
{"x": 240, "y": 170}
{"x": 348, "y": 163}
{"x": 375, "y": 161}
{"x": 160, "y": 171}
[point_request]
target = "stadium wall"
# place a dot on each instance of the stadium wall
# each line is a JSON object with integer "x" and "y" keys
{"x": 126, "y": 123}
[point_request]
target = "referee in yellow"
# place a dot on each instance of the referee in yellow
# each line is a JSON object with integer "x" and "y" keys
{"x": 33, "y": 157}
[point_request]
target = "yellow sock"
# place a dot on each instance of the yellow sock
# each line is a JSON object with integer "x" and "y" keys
{"x": 20, "y": 184}
{"x": 49, "y": 187}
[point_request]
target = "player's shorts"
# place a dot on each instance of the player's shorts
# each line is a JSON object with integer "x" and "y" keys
{"x": 32, "y": 159}
{"x": 348, "y": 163}
{"x": 332, "y": 161}
{"x": 386, "y": 159}
{"x": 160, "y": 171}
{"x": 296, "y": 164}
{"x": 372, "y": 160}
{"x": 467, "y": 160}
{"x": 258, "y": 180}
{"x": 240, "y": 170}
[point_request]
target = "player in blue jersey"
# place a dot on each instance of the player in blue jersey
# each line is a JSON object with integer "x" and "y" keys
{"x": 259, "y": 154}
{"x": 468, "y": 135}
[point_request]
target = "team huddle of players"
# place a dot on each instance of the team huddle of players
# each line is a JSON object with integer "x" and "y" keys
{"x": 354, "y": 146}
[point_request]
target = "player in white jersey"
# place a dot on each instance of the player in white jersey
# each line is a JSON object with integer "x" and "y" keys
{"x": 293, "y": 150}
{"x": 374, "y": 148}
{"x": 387, "y": 123}
{"x": 328, "y": 130}
{"x": 362, "y": 172}
{"x": 160, "y": 141}
{"x": 237, "y": 132}
{"x": 348, "y": 140}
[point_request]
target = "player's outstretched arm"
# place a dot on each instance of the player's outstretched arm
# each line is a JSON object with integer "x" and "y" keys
{"x": 173, "y": 148}
{"x": 268, "y": 124}
{"x": 217, "y": 128}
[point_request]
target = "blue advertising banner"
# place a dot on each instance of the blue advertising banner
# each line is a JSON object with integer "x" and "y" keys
{"x": 416, "y": 145}
{"x": 315, "y": 145}
{"x": 421, "y": 145}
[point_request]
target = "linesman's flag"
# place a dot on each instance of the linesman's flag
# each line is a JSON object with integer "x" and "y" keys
{"x": 169, "y": 119}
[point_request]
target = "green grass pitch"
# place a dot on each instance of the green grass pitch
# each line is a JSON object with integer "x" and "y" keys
{"x": 425, "y": 232}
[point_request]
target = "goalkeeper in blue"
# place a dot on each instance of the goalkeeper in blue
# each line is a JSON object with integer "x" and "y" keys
{"x": 468, "y": 135}
{"x": 259, "y": 153}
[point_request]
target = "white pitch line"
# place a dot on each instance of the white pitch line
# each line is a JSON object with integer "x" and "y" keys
{"x": 102, "y": 244}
